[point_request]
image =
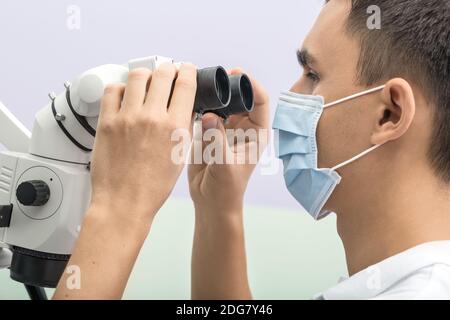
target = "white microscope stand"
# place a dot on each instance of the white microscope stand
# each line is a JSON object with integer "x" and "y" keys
{"x": 13, "y": 134}
{"x": 15, "y": 137}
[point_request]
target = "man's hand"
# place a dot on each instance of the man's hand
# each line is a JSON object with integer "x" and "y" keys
{"x": 132, "y": 176}
{"x": 132, "y": 167}
{"x": 219, "y": 268}
{"x": 221, "y": 187}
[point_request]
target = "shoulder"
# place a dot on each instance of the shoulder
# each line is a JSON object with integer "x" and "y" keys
{"x": 429, "y": 283}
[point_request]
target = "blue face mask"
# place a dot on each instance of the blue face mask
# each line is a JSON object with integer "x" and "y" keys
{"x": 296, "y": 122}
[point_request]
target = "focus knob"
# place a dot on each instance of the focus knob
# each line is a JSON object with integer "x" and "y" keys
{"x": 33, "y": 193}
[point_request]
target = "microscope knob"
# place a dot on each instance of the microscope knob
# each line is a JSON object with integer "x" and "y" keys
{"x": 33, "y": 193}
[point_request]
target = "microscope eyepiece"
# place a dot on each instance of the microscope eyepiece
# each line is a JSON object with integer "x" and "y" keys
{"x": 246, "y": 95}
{"x": 213, "y": 90}
{"x": 242, "y": 97}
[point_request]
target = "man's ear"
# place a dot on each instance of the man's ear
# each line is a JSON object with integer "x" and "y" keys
{"x": 396, "y": 112}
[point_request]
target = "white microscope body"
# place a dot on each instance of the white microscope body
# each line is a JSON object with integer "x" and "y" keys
{"x": 44, "y": 178}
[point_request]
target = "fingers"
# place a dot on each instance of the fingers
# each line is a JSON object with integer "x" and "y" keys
{"x": 196, "y": 152}
{"x": 112, "y": 100}
{"x": 261, "y": 113}
{"x": 213, "y": 127}
{"x": 183, "y": 98}
{"x": 136, "y": 89}
{"x": 210, "y": 131}
{"x": 160, "y": 88}
{"x": 235, "y": 71}
{"x": 211, "y": 121}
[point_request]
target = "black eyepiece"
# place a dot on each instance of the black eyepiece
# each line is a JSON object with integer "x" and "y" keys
{"x": 213, "y": 90}
{"x": 242, "y": 97}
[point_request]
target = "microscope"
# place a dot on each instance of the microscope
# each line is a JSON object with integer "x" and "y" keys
{"x": 45, "y": 186}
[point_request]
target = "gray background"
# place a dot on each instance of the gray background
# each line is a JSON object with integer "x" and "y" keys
{"x": 38, "y": 52}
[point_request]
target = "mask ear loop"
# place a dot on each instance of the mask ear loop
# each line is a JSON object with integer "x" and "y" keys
{"x": 331, "y": 104}
{"x": 363, "y": 154}
{"x": 359, "y": 156}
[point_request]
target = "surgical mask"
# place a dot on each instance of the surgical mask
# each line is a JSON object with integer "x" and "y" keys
{"x": 296, "y": 121}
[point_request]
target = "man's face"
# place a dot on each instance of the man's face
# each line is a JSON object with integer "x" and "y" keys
{"x": 329, "y": 56}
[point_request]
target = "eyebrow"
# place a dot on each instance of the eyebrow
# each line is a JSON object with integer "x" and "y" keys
{"x": 305, "y": 59}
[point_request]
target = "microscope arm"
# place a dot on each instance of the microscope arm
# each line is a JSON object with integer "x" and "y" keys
{"x": 13, "y": 134}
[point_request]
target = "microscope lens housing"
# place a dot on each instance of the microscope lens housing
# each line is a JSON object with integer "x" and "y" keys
{"x": 213, "y": 90}
{"x": 242, "y": 97}
{"x": 222, "y": 94}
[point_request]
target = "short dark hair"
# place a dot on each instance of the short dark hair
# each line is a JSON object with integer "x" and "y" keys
{"x": 414, "y": 43}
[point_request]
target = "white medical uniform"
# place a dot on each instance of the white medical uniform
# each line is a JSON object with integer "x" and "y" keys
{"x": 420, "y": 273}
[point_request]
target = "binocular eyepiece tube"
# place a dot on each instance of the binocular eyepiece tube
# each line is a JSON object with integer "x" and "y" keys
{"x": 222, "y": 94}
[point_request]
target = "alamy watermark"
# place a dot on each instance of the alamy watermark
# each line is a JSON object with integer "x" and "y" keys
{"x": 373, "y": 278}
{"x": 232, "y": 147}
{"x": 73, "y": 21}
{"x": 374, "y": 20}
{"x": 73, "y": 280}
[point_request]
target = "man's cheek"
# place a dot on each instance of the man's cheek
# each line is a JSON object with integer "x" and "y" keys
{"x": 327, "y": 139}
{"x": 325, "y": 144}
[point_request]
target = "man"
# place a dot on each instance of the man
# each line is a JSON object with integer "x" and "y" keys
{"x": 392, "y": 199}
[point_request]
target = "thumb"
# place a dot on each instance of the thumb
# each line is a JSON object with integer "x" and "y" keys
{"x": 210, "y": 144}
{"x": 211, "y": 121}
{"x": 215, "y": 142}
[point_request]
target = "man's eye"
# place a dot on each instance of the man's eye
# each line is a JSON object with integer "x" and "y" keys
{"x": 313, "y": 76}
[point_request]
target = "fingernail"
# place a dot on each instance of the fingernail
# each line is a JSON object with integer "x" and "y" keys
{"x": 209, "y": 123}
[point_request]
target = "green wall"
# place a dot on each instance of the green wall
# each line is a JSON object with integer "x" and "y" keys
{"x": 289, "y": 256}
